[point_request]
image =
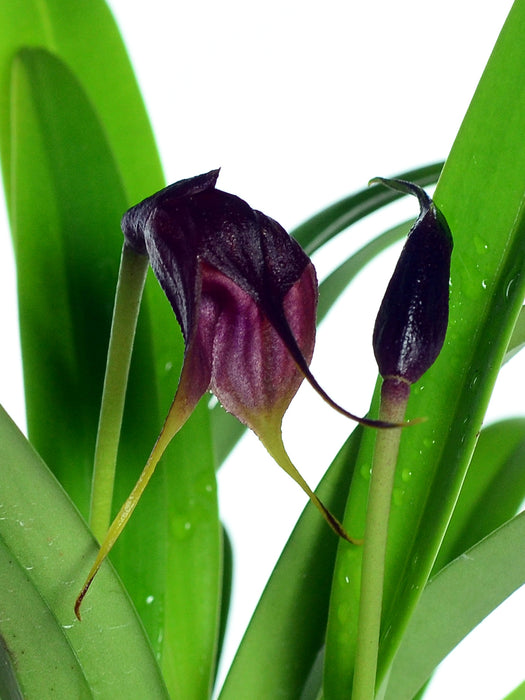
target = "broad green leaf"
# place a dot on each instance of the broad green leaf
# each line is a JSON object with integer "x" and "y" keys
{"x": 493, "y": 490}
{"x": 287, "y": 629}
{"x": 484, "y": 208}
{"x": 85, "y": 37}
{"x": 67, "y": 197}
{"x": 44, "y": 551}
{"x": 67, "y": 202}
{"x": 457, "y": 599}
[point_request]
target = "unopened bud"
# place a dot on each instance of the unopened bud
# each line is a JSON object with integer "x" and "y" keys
{"x": 412, "y": 321}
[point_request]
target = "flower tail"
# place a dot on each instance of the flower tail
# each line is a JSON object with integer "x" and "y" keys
{"x": 178, "y": 415}
{"x": 275, "y": 447}
{"x": 282, "y": 326}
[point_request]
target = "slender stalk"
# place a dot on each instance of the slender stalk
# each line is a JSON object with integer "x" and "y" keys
{"x": 272, "y": 440}
{"x": 132, "y": 275}
{"x": 178, "y": 414}
{"x": 394, "y": 397}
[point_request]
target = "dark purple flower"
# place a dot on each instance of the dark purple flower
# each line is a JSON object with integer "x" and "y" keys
{"x": 412, "y": 321}
{"x": 243, "y": 291}
{"x": 245, "y": 295}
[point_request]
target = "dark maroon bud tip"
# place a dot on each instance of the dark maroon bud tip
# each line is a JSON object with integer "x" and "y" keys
{"x": 412, "y": 321}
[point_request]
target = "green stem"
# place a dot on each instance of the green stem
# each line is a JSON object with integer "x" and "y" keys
{"x": 393, "y": 406}
{"x": 132, "y": 275}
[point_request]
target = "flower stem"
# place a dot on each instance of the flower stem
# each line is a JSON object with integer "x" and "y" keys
{"x": 394, "y": 398}
{"x": 132, "y": 275}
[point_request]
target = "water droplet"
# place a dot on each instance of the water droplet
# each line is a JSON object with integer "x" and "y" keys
{"x": 150, "y": 599}
{"x": 365, "y": 471}
{"x": 480, "y": 245}
{"x": 168, "y": 366}
{"x": 509, "y": 288}
{"x": 406, "y": 474}
{"x": 344, "y": 579}
{"x": 474, "y": 380}
{"x": 484, "y": 284}
{"x": 181, "y": 527}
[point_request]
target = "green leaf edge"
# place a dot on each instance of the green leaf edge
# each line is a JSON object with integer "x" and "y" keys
{"x": 457, "y": 599}
{"x": 491, "y": 313}
{"x": 274, "y": 658}
{"x": 53, "y": 562}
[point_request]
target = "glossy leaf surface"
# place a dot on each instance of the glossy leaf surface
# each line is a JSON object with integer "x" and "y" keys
{"x": 85, "y": 37}
{"x": 68, "y": 192}
{"x": 487, "y": 291}
{"x": 43, "y": 562}
{"x": 493, "y": 490}
{"x": 287, "y": 629}
{"x": 457, "y": 599}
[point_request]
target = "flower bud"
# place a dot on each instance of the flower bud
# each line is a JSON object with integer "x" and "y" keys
{"x": 412, "y": 321}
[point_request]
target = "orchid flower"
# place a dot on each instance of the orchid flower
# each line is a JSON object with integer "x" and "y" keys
{"x": 245, "y": 295}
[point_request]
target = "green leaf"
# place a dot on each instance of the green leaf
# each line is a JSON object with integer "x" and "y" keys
{"x": 322, "y": 227}
{"x": 517, "y": 694}
{"x": 68, "y": 199}
{"x": 45, "y": 550}
{"x": 493, "y": 490}
{"x": 337, "y": 281}
{"x": 457, "y": 599}
{"x": 484, "y": 208}
{"x": 517, "y": 340}
{"x": 67, "y": 196}
{"x": 85, "y": 37}
{"x": 287, "y": 629}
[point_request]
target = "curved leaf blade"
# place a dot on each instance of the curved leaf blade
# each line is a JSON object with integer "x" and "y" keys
{"x": 85, "y": 37}
{"x": 287, "y": 629}
{"x": 321, "y": 227}
{"x": 488, "y": 285}
{"x": 337, "y": 281}
{"x": 46, "y": 549}
{"x": 493, "y": 490}
{"x": 457, "y": 599}
{"x": 67, "y": 197}
{"x": 77, "y": 267}
{"x": 518, "y": 693}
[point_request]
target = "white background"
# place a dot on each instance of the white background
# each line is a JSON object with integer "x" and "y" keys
{"x": 300, "y": 104}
